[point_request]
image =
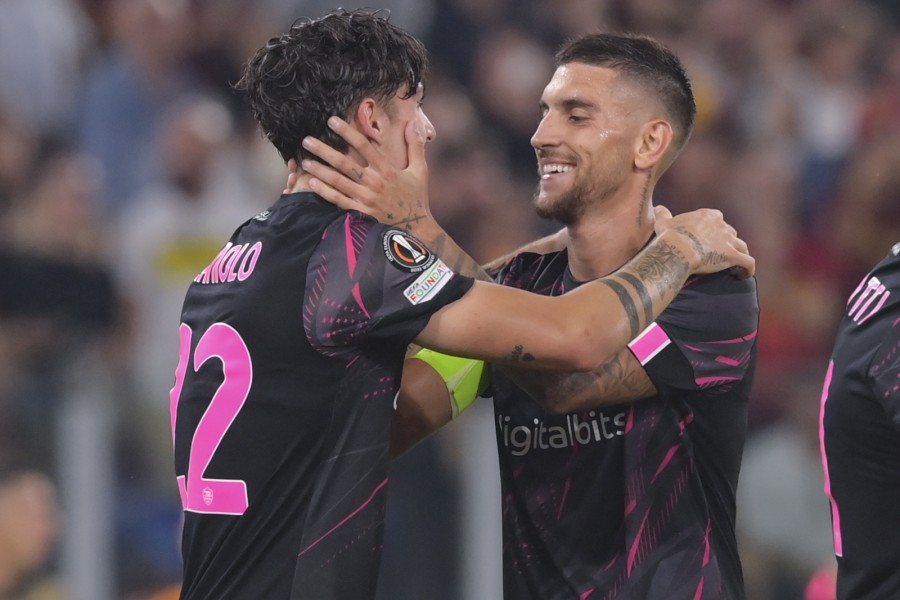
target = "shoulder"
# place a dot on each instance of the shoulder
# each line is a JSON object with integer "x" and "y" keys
{"x": 527, "y": 265}
{"x": 719, "y": 304}
{"x": 723, "y": 282}
{"x": 717, "y": 290}
{"x": 888, "y": 270}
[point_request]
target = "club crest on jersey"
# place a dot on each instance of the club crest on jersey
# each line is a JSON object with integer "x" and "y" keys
{"x": 406, "y": 252}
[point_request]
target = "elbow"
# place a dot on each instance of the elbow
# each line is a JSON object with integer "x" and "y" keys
{"x": 591, "y": 346}
{"x": 584, "y": 353}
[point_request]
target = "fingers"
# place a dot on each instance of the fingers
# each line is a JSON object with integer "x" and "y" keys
{"x": 293, "y": 177}
{"x": 339, "y": 160}
{"x": 715, "y": 242}
{"x": 332, "y": 185}
{"x": 415, "y": 144}
{"x": 357, "y": 141}
{"x": 333, "y": 196}
{"x": 744, "y": 265}
{"x": 339, "y": 171}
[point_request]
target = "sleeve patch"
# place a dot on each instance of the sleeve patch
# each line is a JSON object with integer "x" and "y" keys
{"x": 649, "y": 343}
{"x": 405, "y": 252}
{"x": 429, "y": 283}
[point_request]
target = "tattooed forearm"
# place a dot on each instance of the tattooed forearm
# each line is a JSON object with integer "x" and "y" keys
{"x": 519, "y": 355}
{"x": 627, "y": 304}
{"x": 614, "y": 381}
{"x": 664, "y": 266}
{"x": 698, "y": 246}
{"x": 416, "y": 214}
{"x": 621, "y": 379}
{"x": 643, "y": 294}
{"x": 408, "y": 222}
{"x": 454, "y": 257}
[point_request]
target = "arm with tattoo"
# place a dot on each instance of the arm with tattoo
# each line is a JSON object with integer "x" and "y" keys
{"x": 621, "y": 379}
{"x": 644, "y": 288}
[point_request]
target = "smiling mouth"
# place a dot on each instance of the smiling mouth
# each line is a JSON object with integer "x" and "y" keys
{"x": 549, "y": 169}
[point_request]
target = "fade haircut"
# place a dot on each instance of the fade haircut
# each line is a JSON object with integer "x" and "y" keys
{"x": 327, "y": 66}
{"x": 645, "y": 61}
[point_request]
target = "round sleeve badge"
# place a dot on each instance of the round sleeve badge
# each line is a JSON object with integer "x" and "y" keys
{"x": 406, "y": 252}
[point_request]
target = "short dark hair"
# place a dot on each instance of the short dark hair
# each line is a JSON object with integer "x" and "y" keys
{"x": 647, "y": 62}
{"x": 327, "y": 66}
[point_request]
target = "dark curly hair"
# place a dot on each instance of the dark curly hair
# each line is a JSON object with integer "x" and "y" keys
{"x": 327, "y": 66}
{"x": 646, "y": 62}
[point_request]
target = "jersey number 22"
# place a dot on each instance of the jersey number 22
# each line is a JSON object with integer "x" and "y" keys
{"x": 221, "y": 341}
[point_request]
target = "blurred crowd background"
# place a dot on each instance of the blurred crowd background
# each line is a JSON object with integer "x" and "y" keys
{"x": 126, "y": 160}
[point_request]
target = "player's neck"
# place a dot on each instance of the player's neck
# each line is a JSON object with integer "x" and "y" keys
{"x": 301, "y": 184}
{"x": 601, "y": 242}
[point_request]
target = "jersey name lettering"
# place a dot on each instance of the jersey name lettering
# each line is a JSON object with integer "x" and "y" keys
{"x": 232, "y": 262}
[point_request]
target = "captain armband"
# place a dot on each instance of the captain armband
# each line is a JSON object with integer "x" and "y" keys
{"x": 466, "y": 378}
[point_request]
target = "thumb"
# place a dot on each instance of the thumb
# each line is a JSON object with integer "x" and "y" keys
{"x": 292, "y": 176}
{"x": 415, "y": 142}
{"x": 662, "y": 212}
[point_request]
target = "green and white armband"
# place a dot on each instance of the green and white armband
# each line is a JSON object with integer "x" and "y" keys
{"x": 466, "y": 378}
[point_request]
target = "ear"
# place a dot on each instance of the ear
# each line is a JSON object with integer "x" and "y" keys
{"x": 653, "y": 144}
{"x": 369, "y": 119}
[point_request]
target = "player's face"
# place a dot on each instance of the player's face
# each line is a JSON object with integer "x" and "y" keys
{"x": 585, "y": 140}
{"x": 400, "y": 112}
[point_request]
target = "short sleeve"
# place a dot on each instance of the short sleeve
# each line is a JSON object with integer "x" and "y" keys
{"x": 706, "y": 339}
{"x": 884, "y": 372}
{"x": 367, "y": 283}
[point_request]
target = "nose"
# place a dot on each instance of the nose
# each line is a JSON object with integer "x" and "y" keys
{"x": 542, "y": 136}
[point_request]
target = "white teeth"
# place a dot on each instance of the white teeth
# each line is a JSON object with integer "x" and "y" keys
{"x": 550, "y": 168}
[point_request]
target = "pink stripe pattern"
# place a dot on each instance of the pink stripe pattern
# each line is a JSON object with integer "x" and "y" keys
{"x": 835, "y": 513}
{"x": 368, "y": 501}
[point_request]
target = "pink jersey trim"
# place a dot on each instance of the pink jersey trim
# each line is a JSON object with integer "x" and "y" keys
{"x": 351, "y": 264}
{"x": 633, "y": 552}
{"x": 345, "y": 519}
{"x": 884, "y": 298}
{"x": 835, "y": 513}
{"x": 666, "y": 460}
{"x": 348, "y": 242}
{"x": 706, "y": 381}
{"x": 725, "y": 360}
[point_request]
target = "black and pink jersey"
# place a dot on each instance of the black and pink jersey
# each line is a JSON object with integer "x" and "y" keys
{"x": 860, "y": 437}
{"x": 292, "y": 345}
{"x": 637, "y": 500}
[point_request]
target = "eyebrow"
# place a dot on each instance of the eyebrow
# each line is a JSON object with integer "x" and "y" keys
{"x": 570, "y": 104}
